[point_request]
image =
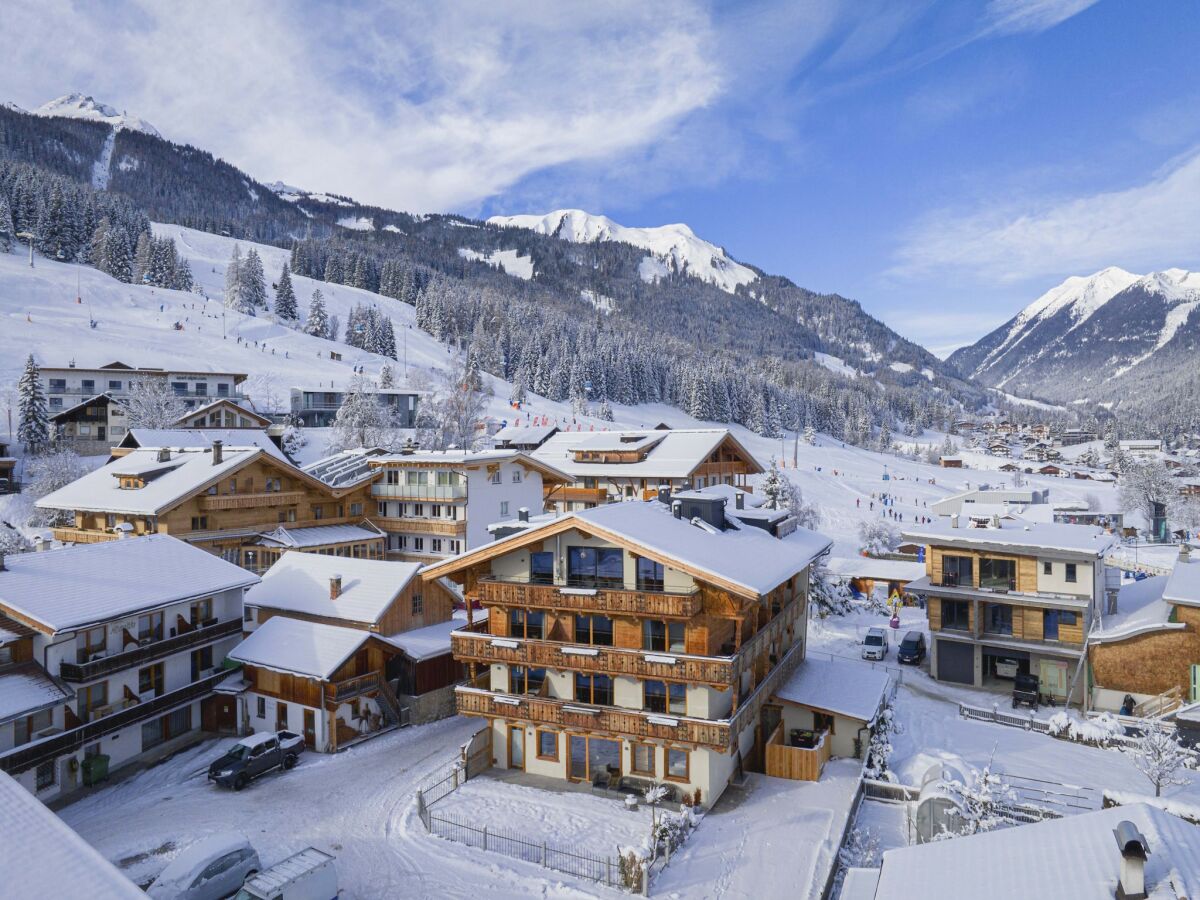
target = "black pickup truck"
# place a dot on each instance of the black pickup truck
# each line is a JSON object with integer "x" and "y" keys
{"x": 255, "y": 755}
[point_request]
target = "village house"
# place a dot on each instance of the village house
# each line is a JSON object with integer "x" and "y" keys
{"x": 626, "y": 465}
{"x": 636, "y": 642}
{"x": 1013, "y": 597}
{"x": 8, "y": 466}
{"x": 387, "y": 599}
{"x": 317, "y": 407}
{"x": 434, "y": 504}
{"x": 1142, "y": 448}
{"x": 950, "y": 462}
{"x": 69, "y": 386}
{"x": 221, "y": 413}
{"x": 964, "y": 501}
{"x": 114, "y": 654}
{"x": 196, "y": 439}
{"x": 91, "y": 425}
{"x": 523, "y": 437}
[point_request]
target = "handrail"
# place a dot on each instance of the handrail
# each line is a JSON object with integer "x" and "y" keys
{"x": 78, "y": 672}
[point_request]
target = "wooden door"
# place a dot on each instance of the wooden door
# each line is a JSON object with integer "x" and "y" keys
{"x": 310, "y": 728}
{"x": 516, "y": 747}
{"x": 281, "y": 716}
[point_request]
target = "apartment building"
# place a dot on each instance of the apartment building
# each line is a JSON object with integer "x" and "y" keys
{"x": 435, "y": 504}
{"x": 1012, "y": 597}
{"x": 626, "y": 465}
{"x": 640, "y": 641}
{"x": 113, "y": 650}
{"x": 318, "y": 406}
{"x": 71, "y": 385}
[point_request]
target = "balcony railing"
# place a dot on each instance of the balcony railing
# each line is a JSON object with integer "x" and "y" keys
{"x": 251, "y": 501}
{"x": 432, "y": 493}
{"x": 518, "y": 592}
{"x": 82, "y": 672}
{"x": 586, "y": 717}
{"x": 557, "y": 493}
{"x": 353, "y": 687}
{"x": 34, "y": 754}
{"x": 82, "y": 536}
{"x": 486, "y": 648}
{"x": 410, "y": 525}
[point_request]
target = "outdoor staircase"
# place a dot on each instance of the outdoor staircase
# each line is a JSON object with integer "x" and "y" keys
{"x": 393, "y": 712}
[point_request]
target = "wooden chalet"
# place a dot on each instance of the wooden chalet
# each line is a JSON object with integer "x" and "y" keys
{"x": 222, "y": 413}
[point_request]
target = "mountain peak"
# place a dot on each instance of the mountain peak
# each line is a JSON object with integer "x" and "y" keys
{"x": 81, "y": 106}
{"x": 673, "y": 248}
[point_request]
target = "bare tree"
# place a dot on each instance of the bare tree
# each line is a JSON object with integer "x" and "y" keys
{"x": 151, "y": 403}
{"x": 1159, "y": 757}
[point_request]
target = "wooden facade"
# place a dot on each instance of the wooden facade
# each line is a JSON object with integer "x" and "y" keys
{"x": 1151, "y": 663}
{"x": 795, "y": 763}
{"x": 436, "y": 605}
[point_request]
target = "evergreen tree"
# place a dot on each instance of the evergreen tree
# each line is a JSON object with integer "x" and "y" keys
{"x": 56, "y": 228}
{"x": 7, "y": 231}
{"x": 142, "y": 259}
{"x": 285, "y": 297}
{"x": 253, "y": 282}
{"x": 317, "y": 323}
{"x": 33, "y": 428}
{"x": 233, "y": 279}
{"x": 386, "y": 378}
{"x": 182, "y": 279}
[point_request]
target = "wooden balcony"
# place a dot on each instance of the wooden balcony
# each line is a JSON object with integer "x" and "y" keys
{"x": 408, "y": 525}
{"x": 81, "y": 672}
{"x": 504, "y": 592}
{"x": 82, "y": 536}
{"x": 251, "y": 501}
{"x": 488, "y": 649}
{"x": 797, "y": 763}
{"x": 341, "y": 691}
{"x": 594, "y": 719}
{"x": 555, "y": 493}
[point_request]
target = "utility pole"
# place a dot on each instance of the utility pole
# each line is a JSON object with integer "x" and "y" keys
{"x": 29, "y": 236}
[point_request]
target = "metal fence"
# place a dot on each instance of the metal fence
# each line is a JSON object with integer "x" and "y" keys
{"x": 1029, "y": 723}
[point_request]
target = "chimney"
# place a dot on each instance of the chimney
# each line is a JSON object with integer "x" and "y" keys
{"x": 335, "y": 586}
{"x": 40, "y": 543}
{"x": 1134, "y": 849}
{"x": 664, "y": 494}
{"x": 523, "y": 514}
{"x": 677, "y": 509}
{"x": 164, "y": 454}
{"x": 217, "y": 447}
{"x": 954, "y": 520}
{"x": 1185, "y": 552}
{"x": 995, "y": 520}
{"x": 739, "y": 500}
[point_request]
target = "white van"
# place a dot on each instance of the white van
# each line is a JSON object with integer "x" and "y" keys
{"x": 309, "y": 875}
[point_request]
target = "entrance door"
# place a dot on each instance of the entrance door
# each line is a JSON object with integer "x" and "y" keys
{"x": 281, "y": 716}
{"x": 310, "y": 729}
{"x": 101, "y": 433}
{"x": 516, "y": 747}
{"x": 578, "y": 758}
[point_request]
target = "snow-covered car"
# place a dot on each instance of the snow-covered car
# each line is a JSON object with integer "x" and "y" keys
{"x": 875, "y": 644}
{"x": 308, "y": 875}
{"x": 256, "y": 755}
{"x": 209, "y": 869}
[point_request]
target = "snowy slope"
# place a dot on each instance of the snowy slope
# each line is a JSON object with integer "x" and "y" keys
{"x": 80, "y": 106}
{"x": 672, "y": 247}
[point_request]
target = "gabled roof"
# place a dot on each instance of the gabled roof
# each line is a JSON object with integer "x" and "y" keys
{"x": 675, "y": 454}
{"x": 320, "y": 535}
{"x": 224, "y": 401}
{"x": 746, "y": 561}
{"x": 299, "y": 582}
{"x": 298, "y": 647}
{"x": 470, "y": 458}
{"x": 82, "y": 585}
{"x": 201, "y": 439}
{"x": 524, "y": 435}
{"x": 847, "y": 688}
{"x": 1017, "y": 536}
{"x": 26, "y": 689}
{"x": 428, "y": 642}
{"x": 105, "y": 398}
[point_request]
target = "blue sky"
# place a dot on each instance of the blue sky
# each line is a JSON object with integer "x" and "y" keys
{"x": 943, "y": 163}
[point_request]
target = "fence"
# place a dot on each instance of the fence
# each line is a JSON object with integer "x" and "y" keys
{"x": 1029, "y": 723}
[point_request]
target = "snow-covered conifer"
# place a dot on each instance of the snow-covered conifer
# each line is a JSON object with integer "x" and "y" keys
{"x": 285, "y": 297}
{"x": 33, "y": 418}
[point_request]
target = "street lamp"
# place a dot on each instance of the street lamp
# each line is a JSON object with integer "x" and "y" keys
{"x": 29, "y": 236}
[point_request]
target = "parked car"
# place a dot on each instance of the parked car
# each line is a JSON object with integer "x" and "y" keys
{"x": 209, "y": 869}
{"x": 256, "y": 755}
{"x": 1025, "y": 690}
{"x": 309, "y": 875}
{"x": 1007, "y": 668}
{"x": 912, "y": 648}
{"x": 875, "y": 644}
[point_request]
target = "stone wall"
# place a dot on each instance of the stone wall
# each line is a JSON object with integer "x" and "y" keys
{"x": 430, "y": 706}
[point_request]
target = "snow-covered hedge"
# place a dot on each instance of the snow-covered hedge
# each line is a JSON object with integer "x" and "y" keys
{"x": 1099, "y": 730}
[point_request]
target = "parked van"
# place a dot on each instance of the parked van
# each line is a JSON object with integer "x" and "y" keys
{"x": 309, "y": 875}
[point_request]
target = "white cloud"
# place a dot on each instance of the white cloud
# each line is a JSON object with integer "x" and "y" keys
{"x": 1031, "y": 16}
{"x": 1148, "y": 226}
{"x": 422, "y": 107}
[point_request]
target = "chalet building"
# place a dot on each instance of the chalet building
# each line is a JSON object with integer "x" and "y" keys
{"x": 8, "y": 471}
{"x": 69, "y": 386}
{"x": 387, "y": 599}
{"x": 526, "y": 438}
{"x": 631, "y": 465}
{"x": 1072, "y": 436}
{"x": 950, "y": 462}
{"x": 221, "y": 499}
{"x": 318, "y": 406}
{"x": 113, "y": 650}
{"x": 640, "y": 641}
{"x": 222, "y": 413}
{"x": 196, "y": 439}
{"x": 1011, "y": 598}
{"x": 435, "y": 504}
{"x": 92, "y": 425}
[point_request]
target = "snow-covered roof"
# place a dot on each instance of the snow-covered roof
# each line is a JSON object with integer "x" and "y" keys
{"x": 222, "y": 401}
{"x": 1183, "y": 585}
{"x": 523, "y": 435}
{"x": 85, "y": 584}
{"x": 859, "y": 884}
{"x": 730, "y": 492}
{"x": 427, "y": 642}
{"x": 27, "y": 689}
{"x": 848, "y": 688}
{"x": 346, "y": 468}
{"x": 201, "y": 439}
{"x": 1140, "y": 610}
{"x": 1016, "y": 535}
{"x": 299, "y": 582}
{"x": 41, "y": 856}
{"x": 191, "y": 470}
{"x": 103, "y": 397}
{"x": 321, "y": 535}
{"x": 299, "y": 647}
{"x": 879, "y": 569}
{"x": 675, "y": 454}
{"x": 1072, "y": 858}
{"x": 465, "y": 458}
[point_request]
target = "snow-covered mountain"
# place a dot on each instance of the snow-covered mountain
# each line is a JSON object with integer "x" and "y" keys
{"x": 1092, "y": 337}
{"x": 673, "y": 248}
{"x": 81, "y": 106}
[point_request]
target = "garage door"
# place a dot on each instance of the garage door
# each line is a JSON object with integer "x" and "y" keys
{"x": 956, "y": 662}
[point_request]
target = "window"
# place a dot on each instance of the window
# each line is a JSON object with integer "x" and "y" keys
{"x": 527, "y": 623}
{"x": 999, "y": 619}
{"x": 179, "y": 388}
{"x": 516, "y": 476}
{"x": 199, "y": 523}
{"x": 114, "y": 385}
{"x": 541, "y": 568}
{"x": 110, "y": 520}
{"x": 665, "y": 697}
{"x": 248, "y": 614}
{"x": 504, "y": 509}
{"x": 1072, "y": 573}
{"x": 523, "y": 680}
{"x": 56, "y": 402}
{"x": 90, "y": 643}
{"x": 150, "y": 680}
{"x": 58, "y": 385}
{"x": 201, "y": 389}
{"x": 1047, "y": 568}
{"x": 597, "y": 630}
{"x": 956, "y": 615}
{"x": 341, "y": 511}
{"x": 547, "y": 745}
{"x": 418, "y": 605}
{"x": 273, "y": 486}
{"x": 150, "y": 627}
{"x": 417, "y": 477}
{"x": 418, "y": 545}
{"x": 642, "y": 759}
{"x": 418, "y": 509}
{"x": 27, "y": 728}
{"x": 318, "y": 512}
{"x": 201, "y": 611}
{"x": 677, "y": 764}
{"x": 1068, "y": 618}
{"x": 663, "y": 636}
{"x": 957, "y": 570}
{"x": 595, "y": 566}
{"x": 435, "y": 545}
{"x": 381, "y": 509}
{"x": 261, "y": 707}
{"x": 495, "y": 477}
{"x": 998, "y": 574}
{"x": 89, "y": 384}
{"x": 45, "y": 775}
{"x": 356, "y": 509}
{"x": 202, "y": 662}
{"x": 595, "y": 689}
{"x": 222, "y": 390}
{"x": 456, "y": 546}
{"x": 649, "y": 575}
{"x": 166, "y": 727}
{"x": 91, "y": 698}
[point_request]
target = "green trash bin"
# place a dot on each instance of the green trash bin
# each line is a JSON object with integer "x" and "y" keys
{"x": 95, "y": 769}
